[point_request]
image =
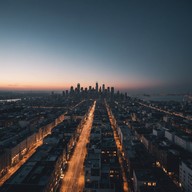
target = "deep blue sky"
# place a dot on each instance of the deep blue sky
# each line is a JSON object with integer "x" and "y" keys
{"x": 126, "y": 44}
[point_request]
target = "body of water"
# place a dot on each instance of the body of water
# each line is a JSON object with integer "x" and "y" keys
{"x": 10, "y": 100}
{"x": 178, "y": 98}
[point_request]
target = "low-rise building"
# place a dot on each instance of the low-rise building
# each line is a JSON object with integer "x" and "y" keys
{"x": 185, "y": 175}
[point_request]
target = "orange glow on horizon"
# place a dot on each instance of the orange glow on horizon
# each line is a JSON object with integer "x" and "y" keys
{"x": 66, "y": 86}
{"x": 35, "y": 87}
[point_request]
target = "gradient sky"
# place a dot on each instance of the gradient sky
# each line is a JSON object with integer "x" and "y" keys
{"x": 127, "y": 44}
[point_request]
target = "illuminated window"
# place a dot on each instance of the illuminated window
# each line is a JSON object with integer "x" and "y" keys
{"x": 180, "y": 184}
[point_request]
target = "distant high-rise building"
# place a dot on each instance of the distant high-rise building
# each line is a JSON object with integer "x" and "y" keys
{"x": 112, "y": 91}
{"x": 97, "y": 87}
{"x": 103, "y": 88}
{"x": 71, "y": 89}
{"x": 78, "y": 87}
{"x": 108, "y": 89}
{"x": 100, "y": 89}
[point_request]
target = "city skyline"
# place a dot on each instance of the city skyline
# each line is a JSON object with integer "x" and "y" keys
{"x": 128, "y": 45}
{"x": 94, "y": 139}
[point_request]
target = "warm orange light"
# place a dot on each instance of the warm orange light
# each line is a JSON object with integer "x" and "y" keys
{"x": 55, "y": 84}
{"x": 34, "y": 86}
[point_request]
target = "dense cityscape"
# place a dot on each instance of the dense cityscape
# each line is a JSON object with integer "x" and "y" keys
{"x": 94, "y": 139}
{"x": 95, "y": 96}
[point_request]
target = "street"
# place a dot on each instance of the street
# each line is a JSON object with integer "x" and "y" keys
{"x": 14, "y": 168}
{"x": 120, "y": 150}
{"x": 167, "y": 112}
{"x": 74, "y": 177}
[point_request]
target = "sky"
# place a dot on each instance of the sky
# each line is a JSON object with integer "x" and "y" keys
{"x": 131, "y": 44}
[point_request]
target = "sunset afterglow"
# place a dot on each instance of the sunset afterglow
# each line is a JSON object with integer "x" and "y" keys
{"x": 48, "y": 45}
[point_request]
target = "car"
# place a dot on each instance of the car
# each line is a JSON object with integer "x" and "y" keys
{"x": 62, "y": 175}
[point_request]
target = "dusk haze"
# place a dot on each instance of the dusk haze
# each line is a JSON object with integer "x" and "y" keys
{"x": 132, "y": 45}
{"x": 95, "y": 95}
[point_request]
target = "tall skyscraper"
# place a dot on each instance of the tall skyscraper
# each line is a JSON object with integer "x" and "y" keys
{"x": 108, "y": 89}
{"x": 78, "y": 87}
{"x": 97, "y": 87}
{"x": 103, "y": 88}
{"x": 112, "y": 92}
{"x": 71, "y": 90}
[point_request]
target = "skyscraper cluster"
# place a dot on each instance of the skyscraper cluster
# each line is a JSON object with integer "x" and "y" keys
{"x": 90, "y": 91}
